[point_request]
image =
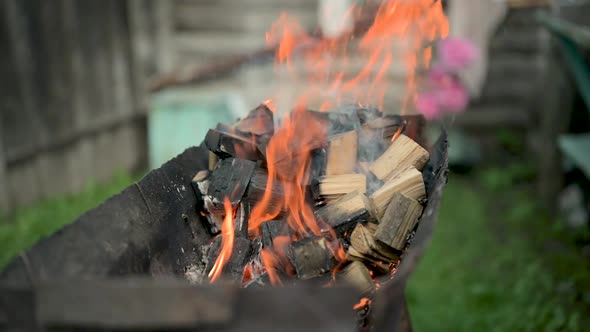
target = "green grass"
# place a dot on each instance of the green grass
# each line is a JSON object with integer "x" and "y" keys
{"x": 27, "y": 225}
{"x": 486, "y": 270}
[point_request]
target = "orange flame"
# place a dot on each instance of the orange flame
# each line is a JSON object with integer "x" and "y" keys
{"x": 364, "y": 302}
{"x": 400, "y": 33}
{"x": 288, "y": 160}
{"x": 227, "y": 242}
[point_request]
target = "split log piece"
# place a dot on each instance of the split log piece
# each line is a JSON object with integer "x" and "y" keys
{"x": 229, "y": 179}
{"x": 311, "y": 257}
{"x": 226, "y": 145}
{"x": 342, "y": 184}
{"x": 343, "y": 214}
{"x": 409, "y": 183}
{"x": 342, "y": 153}
{"x": 272, "y": 229}
{"x": 398, "y": 221}
{"x": 402, "y": 154}
{"x": 363, "y": 241}
{"x": 358, "y": 276}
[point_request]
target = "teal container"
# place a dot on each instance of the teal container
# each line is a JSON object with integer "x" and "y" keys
{"x": 180, "y": 118}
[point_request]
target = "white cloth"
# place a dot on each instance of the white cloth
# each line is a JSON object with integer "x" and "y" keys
{"x": 476, "y": 20}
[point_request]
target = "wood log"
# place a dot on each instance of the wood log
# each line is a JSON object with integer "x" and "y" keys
{"x": 227, "y": 144}
{"x": 376, "y": 265}
{"x": 196, "y": 182}
{"x": 230, "y": 179}
{"x": 409, "y": 183}
{"x": 257, "y": 187}
{"x": 311, "y": 257}
{"x": 343, "y": 214}
{"x": 399, "y": 219}
{"x": 272, "y": 229}
{"x": 213, "y": 159}
{"x": 342, "y": 153}
{"x": 259, "y": 122}
{"x": 242, "y": 216}
{"x": 339, "y": 185}
{"x": 200, "y": 186}
{"x": 401, "y": 154}
{"x": 234, "y": 268}
{"x": 363, "y": 241}
{"x": 358, "y": 276}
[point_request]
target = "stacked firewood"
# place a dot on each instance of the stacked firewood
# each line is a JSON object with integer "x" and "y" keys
{"x": 364, "y": 184}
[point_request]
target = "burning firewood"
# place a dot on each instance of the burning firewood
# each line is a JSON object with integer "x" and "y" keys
{"x": 401, "y": 155}
{"x": 271, "y": 230}
{"x": 313, "y": 215}
{"x": 399, "y": 219}
{"x": 258, "y": 187}
{"x": 342, "y": 154}
{"x": 240, "y": 255}
{"x": 226, "y": 144}
{"x": 409, "y": 182}
{"x": 229, "y": 179}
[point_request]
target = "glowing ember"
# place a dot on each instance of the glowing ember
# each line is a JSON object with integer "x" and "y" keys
{"x": 227, "y": 242}
{"x": 363, "y": 303}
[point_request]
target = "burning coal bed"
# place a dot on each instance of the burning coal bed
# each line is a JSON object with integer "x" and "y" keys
{"x": 331, "y": 197}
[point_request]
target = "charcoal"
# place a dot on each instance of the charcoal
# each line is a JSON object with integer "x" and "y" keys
{"x": 227, "y": 145}
{"x": 229, "y": 179}
{"x": 311, "y": 257}
{"x": 272, "y": 229}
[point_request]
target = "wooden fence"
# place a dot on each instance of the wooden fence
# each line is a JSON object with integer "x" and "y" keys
{"x": 72, "y": 99}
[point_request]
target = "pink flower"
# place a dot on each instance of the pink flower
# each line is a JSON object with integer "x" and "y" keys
{"x": 427, "y": 105}
{"x": 445, "y": 94}
{"x": 456, "y": 53}
{"x": 453, "y": 97}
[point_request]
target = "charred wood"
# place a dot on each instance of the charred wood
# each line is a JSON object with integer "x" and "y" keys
{"x": 229, "y": 179}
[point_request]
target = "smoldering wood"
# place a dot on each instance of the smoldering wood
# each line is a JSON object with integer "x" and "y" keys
{"x": 358, "y": 276}
{"x": 311, "y": 257}
{"x": 230, "y": 179}
{"x": 259, "y": 122}
{"x": 212, "y": 160}
{"x": 241, "y": 254}
{"x": 401, "y": 154}
{"x": 198, "y": 178}
{"x": 400, "y": 218}
{"x": 342, "y": 153}
{"x": 335, "y": 122}
{"x": 343, "y": 214}
{"x": 272, "y": 229}
{"x": 409, "y": 183}
{"x": 226, "y": 145}
{"x": 241, "y": 220}
{"x": 258, "y": 186}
